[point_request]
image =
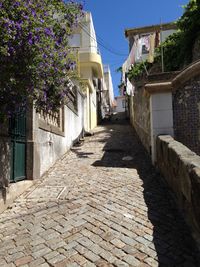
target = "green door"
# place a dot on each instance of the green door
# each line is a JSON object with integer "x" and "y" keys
{"x": 17, "y": 131}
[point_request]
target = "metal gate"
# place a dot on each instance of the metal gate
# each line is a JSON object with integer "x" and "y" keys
{"x": 17, "y": 131}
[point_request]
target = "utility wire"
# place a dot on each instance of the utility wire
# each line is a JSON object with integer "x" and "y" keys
{"x": 106, "y": 44}
{"x": 100, "y": 43}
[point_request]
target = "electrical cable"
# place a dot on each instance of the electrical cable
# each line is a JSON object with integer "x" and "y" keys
{"x": 100, "y": 43}
{"x": 108, "y": 46}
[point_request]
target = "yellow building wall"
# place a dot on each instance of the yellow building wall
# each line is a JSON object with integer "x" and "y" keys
{"x": 93, "y": 116}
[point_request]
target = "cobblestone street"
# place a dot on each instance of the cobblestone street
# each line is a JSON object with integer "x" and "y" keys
{"x": 102, "y": 204}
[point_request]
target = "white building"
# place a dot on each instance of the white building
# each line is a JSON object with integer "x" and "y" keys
{"x": 107, "y": 92}
{"x": 90, "y": 67}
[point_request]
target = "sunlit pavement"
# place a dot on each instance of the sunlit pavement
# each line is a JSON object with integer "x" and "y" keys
{"x": 102, "y": 204}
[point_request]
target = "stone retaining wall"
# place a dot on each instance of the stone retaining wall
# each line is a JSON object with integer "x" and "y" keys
{"x": 139, "y": 108}
{"x": 181, "y": 169}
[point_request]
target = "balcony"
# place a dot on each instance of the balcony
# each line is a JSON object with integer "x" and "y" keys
{"x": 91, "y": 58}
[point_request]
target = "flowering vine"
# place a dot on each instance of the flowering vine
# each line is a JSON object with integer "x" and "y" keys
{"x": 35, "y": 60}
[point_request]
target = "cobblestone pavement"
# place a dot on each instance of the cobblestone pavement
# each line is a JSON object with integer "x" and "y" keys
{"x": 95, "y": 209}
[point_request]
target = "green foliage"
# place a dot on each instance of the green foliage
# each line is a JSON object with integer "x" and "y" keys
{"x": 138, "y": 70}
{"x": 35, "y": 60}
{"x": 119, "y": 69}
{"x": 121, "y": 84}
{"x": 189, "y": 24}
{"x": 178, "y": 46}
{"x": 172, "y": 49}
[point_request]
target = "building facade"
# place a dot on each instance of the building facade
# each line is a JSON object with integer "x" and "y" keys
{"x": 146, "y": 108}
{"x": 31, "y": 142}
{"x": 90, "y": 67}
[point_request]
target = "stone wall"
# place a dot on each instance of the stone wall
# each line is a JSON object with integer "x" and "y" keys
{"x": 139, "y": 108}
{"x": 181, "y": 169}
{"x": 186, "y": 114}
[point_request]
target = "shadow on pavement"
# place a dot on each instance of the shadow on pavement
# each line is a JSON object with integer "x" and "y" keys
{"x": 171, "y": 236}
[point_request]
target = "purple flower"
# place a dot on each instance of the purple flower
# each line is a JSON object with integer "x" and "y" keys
{"x": 30, "y": 38}
{"x": 47, "y": 31}
{"x": 59, "y": 41}
{"x": 37, "y": 39}
{"x": 18, "y": 25}
{"x": 11, "y": 50}
{"x": 33, "y": 13}
{"x": 16, "y": 4}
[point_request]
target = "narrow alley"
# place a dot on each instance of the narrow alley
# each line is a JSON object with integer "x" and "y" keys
{"x": 102, "y": 204}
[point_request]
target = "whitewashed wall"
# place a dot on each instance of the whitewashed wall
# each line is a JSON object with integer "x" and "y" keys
{"x": 52, "y": 146}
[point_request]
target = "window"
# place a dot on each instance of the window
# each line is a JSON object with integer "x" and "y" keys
{"x": 52, "y": 121}
{"x": 144, "y": 49}
{"x": 72, "y": 99}
{"x": 75, "y": 40}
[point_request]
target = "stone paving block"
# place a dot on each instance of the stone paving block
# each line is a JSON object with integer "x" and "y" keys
{"x": 103, "y": 263}
{"x": 56, "y": 259}
{"x": 70, "y": 245}
{"x": 63, "y": 263}
{"x": 55, "y": 245}
{"x": 37, "y": 262}
{"x": 108, "y": 256}
{"x": 89, "y": 264}
{"x": 10, "y": 265}
{"x": 95, "y": 238}
{"x": 143, "y": 241}
{"x": 79, "y": 259}
{"x": 119, "y": 263}
{"x": 69, "y": 253}
{"x": 2, "y": 263}
{"x": 74, "y": 264}
{"x": 41, "y": 252}
{"x": 84, "y": 241}
{"x": 50, "y": 255}
{"x": 38, "y": 247}
{"x": 128, "y": 241}
{"x": 24, "y": 260}
{"x": 106, "y": 245}
{"x": 37, "y": 241}
{"x": 96, "y": 249}
{"x": 151, "y": 262}
{"x": 91, "y": 256}
{"x": 81, "y": 249}
{"x": 140, "y": 256}
{"x": 131, "y": 260}
{"x": 16, "y": 249}
{"x": 44, "y": 265}
{"x": 118, "y": 243}
{"x": 13, "y": 257}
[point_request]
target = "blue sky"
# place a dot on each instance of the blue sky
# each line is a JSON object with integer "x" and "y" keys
{"x": 112, "y": 17}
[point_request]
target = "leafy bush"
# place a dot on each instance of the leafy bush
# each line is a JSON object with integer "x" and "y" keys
{"x": 178, "y": 47}
{"x": 138, "y": 70}
{"x": 35, "y": 60}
